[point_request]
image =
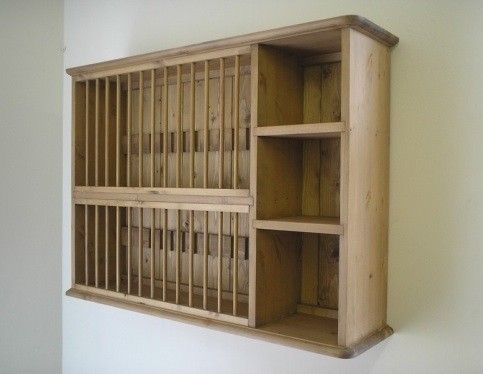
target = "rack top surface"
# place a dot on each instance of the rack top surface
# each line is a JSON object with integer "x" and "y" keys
{"x": 301, "y": 38}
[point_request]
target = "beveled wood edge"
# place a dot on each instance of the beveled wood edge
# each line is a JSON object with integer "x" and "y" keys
{"x": 354, "y": 21}
{"x": 248, "y": 332}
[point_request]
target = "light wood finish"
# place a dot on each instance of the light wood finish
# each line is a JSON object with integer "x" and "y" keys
{"x": 365, "y": 86}
{"x": 303, "y": 131}
{"x": 250, "y": 176}
{"x": 311, "y": 224}
{"x": 140, "y": 250}
{"x": 178, "y": 255}
{"x": 165, "y": 252}
{"x": 164, "y": 205}
{"x": 140, "y": 128}
{"x": 165, "y": 126}
{"x": 129, "y": 249}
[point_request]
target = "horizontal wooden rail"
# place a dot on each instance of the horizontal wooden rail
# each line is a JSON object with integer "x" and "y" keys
{"x": 164, "y": 305}
{"x": 211, "y": 207}
{"x": 310, "y": 131}
{"x": 219, "y": 199}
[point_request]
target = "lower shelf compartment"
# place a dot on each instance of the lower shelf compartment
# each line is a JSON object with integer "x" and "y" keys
{"x": 302, "y": 331}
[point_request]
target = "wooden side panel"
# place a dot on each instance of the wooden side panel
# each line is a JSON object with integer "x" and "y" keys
{"x": 367, "y": 114}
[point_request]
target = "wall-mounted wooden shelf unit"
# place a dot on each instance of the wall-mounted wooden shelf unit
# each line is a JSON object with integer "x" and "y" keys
{"x": 240, "y": 184}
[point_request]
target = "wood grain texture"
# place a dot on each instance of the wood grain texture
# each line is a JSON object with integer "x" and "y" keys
{"x": 259, "y": 177}
{"x": 365, "y": 249}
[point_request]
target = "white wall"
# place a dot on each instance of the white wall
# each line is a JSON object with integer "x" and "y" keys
{"x": 30, "y": 186}
{"x": 436, "y": 190}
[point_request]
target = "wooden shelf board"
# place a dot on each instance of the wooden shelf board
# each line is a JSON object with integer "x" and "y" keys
{"x": 293, "y": 331}
{"x": 309, "y": 224}
{"x": 303, "y": 131}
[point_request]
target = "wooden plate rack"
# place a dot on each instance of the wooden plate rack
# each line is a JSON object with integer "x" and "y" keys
{"x": 240, "y": 184}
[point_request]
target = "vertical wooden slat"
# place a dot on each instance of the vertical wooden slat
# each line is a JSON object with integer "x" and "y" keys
{"x": 236, "y": 120}
{"x": 221, "y": 157}
{"x": 140, "y": 252}
{"x": 178, "y": 178}
{"x": 153, "y": 227}
{"x": 205, "y": 182}
{"x": 165, "y": 182}
{"x": 140, "y": 128}
{"x": 128, "y": 260}
{"x": 128, "y": 177}
{"x": 107, "y": 118}
{"x": 178, "y": 126}
{"x": 152, "y": 126}
{"x": 86, "y": 212}
{"x": 178, "y": 253}
{"x": 96, "y": 170}
{"x": 165, "y": 252}
{"x": 205, "y": 260}
{"x": 192, "y": 126}
{"x": 165, "y": 132}
{"x": 221, "y": 108}
{"x": 192, "y": 179}
{"x": 220, "y": 258}
{"x": 106, "y": 178}
{"x": 235, "y": 264}
{"x": 236, "y": 125}
{"x": 206, "y": 125}
{"x": 151, "y": 255}
{"x": 118, "y": 162}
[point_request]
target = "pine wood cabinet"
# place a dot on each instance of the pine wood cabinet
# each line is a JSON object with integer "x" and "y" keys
{"x": 240, "y": 184}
